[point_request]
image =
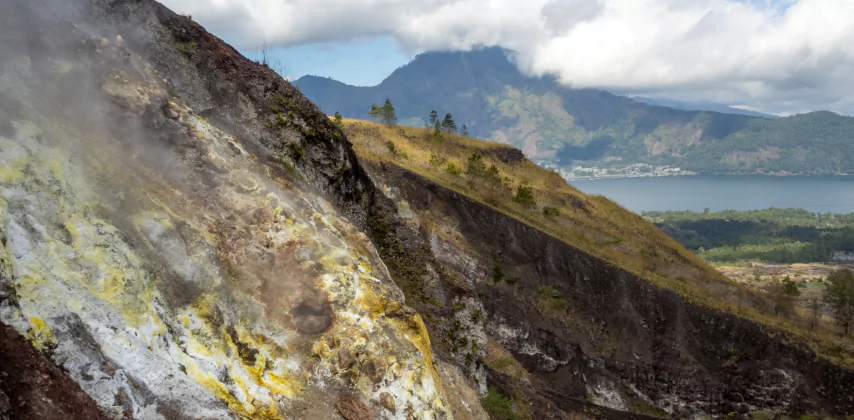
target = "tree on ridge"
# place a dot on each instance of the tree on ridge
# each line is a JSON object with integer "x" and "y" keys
{"x": 448, "y": 124}
{"x": 839, "y": 295}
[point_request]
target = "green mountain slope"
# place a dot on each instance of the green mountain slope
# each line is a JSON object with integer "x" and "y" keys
{"x": 555, "y": 124}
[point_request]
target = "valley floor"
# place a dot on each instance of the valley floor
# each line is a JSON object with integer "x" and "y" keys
{"x": 810, "y": 278}
{"x": 810, "y": 273}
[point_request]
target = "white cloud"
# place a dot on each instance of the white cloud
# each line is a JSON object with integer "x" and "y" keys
{"x": 779, "y": 56}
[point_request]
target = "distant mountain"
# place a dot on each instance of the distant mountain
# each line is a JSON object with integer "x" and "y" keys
{"x": 555, "y": 124}
{"x": 700, "y": 106}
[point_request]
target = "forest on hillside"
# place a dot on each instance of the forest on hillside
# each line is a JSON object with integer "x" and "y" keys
{"x": 770, "y": 235}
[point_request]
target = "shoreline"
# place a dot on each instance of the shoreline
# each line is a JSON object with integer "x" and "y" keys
{"x": 696, "y": 174}
{"x": 593, "y": 178}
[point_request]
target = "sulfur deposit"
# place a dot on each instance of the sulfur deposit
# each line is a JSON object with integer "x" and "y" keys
{"x": 171, "y": 272}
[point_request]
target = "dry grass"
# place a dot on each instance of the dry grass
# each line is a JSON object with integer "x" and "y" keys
{"x": 592, "y": 224}
{"x": 502, "y": 361}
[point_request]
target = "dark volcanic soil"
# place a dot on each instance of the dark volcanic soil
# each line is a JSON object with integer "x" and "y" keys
{"x": 31, "y": 387}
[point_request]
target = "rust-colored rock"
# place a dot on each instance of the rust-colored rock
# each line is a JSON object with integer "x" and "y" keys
{"x": 31, "y": 387}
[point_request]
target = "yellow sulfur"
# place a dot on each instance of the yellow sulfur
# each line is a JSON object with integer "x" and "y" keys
{"x": 41, "y": 335}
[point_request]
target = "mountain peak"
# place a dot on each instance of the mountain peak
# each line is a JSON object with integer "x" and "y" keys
{"x": 555, "y": 124}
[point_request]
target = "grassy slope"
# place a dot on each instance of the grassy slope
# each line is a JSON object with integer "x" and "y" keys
{"x": 593, "y": 224}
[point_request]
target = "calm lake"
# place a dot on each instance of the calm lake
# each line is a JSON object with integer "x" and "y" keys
{"x": 822, "y": 194}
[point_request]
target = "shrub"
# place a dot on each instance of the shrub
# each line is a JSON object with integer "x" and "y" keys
{"x": 281, "y": 122}
{"x": 437, "y": 161}
{"x": 497, "y": 271}
{"x": 525, "y": 195}
{"x": 285, "y": 164}
{"x": 498, "y": 406}
{"x": 642, "y": 406}
{"x": 493, "y": 175}
{"x": 551, "y": 211}
{"x": 790, "y": 287}
{"x": 391, "y": 147}
{"x": 476, "y": 167}
{"x": 559, "y": 304}
{"x": 453, "y": 169}
{"x": 394, "y": 151}
{"x": 554, "y": 297}
{"x": 549, "y": 292}
{"x": 187, "y": 47}
{"x": 298, "y": 151}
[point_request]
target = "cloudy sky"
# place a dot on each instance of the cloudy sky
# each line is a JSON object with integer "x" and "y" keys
{"x": 777, "y": 56}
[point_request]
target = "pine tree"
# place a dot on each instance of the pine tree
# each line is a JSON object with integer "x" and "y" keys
{"x": 476, "y": 167}
{"x": 448, "y": 124}
{"x": 839, "y": 295}
{"x": 437, "y": 133}
{"x": 339, "y": 120}
{"x": 375, "y": 112}
{"x": 434, "y": 117}
{"x": 389, "y": 117}
{"x": 783, "y": 294}
{"x": 465, "y": 131}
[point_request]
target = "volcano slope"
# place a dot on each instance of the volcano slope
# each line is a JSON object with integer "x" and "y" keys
{"x": 185, "y": 235}
{"x": 592, "y": 302}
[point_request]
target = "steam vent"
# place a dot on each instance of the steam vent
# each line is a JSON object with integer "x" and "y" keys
{"x": 174, "y": 269}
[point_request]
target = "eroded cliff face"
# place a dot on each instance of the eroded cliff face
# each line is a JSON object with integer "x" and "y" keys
{"x": 179, "y": 268}
{"x": 586, "y": 331}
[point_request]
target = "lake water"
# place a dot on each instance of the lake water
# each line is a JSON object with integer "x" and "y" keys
{"x": 822, "y": 194}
